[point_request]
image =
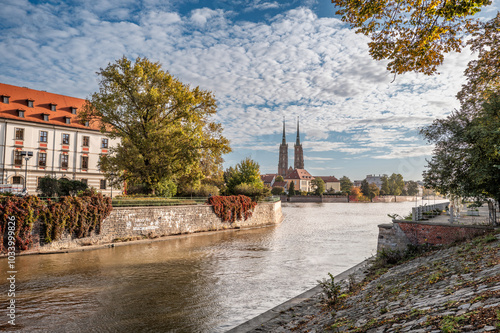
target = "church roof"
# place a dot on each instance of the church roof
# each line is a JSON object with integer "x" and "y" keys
{"x": 299, "y": 174}
{"x": 329, "y": 179}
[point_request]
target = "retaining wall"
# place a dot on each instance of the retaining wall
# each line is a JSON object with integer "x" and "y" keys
{"x": 151, "y": 222}
{"x": 399, "y": 234}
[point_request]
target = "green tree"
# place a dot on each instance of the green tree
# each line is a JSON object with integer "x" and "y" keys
{"x": 277, "y": 190}
{"x": 291, "y": 189}
{"x": 279, "y": 178}
{"x": 48, "y": 186}
{"x": 373, "y": 191}
{"x": 51, "y": 187}
{"x": 385, "y": 190}
{"x": 412, "y": 34}
{"x": 396, "y": 184}
{"x": 345, "y": 184}
{"x": 365, "y": 188}
{"x": 165, "y": 128}
{"x": 319, "y": 185}
{"x": 245, "y": 172}
{"x": 467, "y": 152}
{"x": 411, "y": 188}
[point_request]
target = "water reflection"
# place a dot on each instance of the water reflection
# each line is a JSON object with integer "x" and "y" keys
{"x": 200, "y": 283}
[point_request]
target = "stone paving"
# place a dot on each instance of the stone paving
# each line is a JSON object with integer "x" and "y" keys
{"x": 454, "y": 289}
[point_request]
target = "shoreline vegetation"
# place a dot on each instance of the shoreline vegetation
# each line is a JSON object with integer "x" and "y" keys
{"x": 421, "y": 290}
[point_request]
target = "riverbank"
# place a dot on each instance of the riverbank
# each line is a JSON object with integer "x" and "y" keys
{"x": 148, "y": 224}
{"x": 430, "y": 293}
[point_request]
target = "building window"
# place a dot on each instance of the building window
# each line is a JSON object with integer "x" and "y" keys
{"x": 84, "y": 180}
{"x": 67, "y": 120}
{"x": 29, "y": 102}
{"x": 20, "y": 113}
{"x": 42, "y": 159}
{"x": 65, "y": 139}
{"x": 18, "y": 159}
{"x": 45, "y": 117}
{"x": 16, "y": 180}
{"x": 53, "y": 107}
{"x": 64, "y": 161}
{"x": 43, "y": 136}
{"x": 103, "y": 184}
{"x": 85, "y": 162}
{"x": 87, "y": 123}
{"x": 104, "y": 143}
{"x": 73, "y": 110}
{"x": 5, "y": 99}
{"x": 86, "y": 140}
{"x": 19, "y": 133}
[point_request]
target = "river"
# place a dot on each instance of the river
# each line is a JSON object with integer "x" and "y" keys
{"x": 197, "y": 283}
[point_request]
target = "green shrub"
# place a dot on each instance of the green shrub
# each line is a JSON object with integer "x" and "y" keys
{"x": 277, "y": 190}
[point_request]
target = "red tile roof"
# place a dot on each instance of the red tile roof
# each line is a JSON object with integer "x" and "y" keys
{"x": 268, "y": 178}
{"x": 42, "y": 100}
{"x": 281, "y": 184}
{"x": 299, "y": 174}
{"x": 329, "y": 179}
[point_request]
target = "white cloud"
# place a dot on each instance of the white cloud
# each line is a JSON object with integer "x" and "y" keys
{"x": 295, "y": 64}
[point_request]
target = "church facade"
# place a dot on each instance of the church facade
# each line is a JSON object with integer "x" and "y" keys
{"x": 283, "y": 169}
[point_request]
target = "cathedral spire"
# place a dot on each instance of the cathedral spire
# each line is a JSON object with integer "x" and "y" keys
{"x": 283, "y": 158}
{"x": 284, "y": 138}
{"x": 298, "y": 136}
{"x": 299, "y": 153}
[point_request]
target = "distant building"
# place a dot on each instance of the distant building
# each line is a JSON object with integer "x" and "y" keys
{"x": 268, "y": 179}
{"x": 283, "y": 168}
{"x": 47, "y": 126}
{"x": 331, "y": 183}
{"x": 301, "y": 179}
{"x": 375, "y": 179}
{"x": 281, "y": 184}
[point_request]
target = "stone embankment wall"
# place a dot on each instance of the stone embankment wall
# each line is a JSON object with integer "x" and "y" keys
{"x": 398, "y": 235}
{"x": 337, "y": 198}
{"x": 314, "y": 198}
{"x": 151, "y": 222}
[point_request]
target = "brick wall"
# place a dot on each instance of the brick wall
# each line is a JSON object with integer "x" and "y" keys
{"x": 151, "y": 222}
{"x": 399, "y": 234}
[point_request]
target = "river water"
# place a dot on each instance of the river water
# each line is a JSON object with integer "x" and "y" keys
{"x": 198, "y": 283}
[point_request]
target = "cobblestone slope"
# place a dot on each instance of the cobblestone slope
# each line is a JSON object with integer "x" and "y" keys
{"x": 455, "y": 289}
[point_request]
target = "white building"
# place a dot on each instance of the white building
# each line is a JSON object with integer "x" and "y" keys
{"x": 46, "y": 125}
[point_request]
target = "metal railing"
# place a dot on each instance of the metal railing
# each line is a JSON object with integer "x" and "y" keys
{"x": 418, "y": 213}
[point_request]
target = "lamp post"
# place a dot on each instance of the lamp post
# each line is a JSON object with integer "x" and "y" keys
{"x": 111, "y": 177}
{"x": 26, "y": 155}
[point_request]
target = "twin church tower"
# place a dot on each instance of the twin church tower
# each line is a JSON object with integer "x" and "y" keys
{"x": 283, "y": 169}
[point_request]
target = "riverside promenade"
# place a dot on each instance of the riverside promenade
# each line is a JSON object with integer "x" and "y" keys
{"x": 452, "y": 289}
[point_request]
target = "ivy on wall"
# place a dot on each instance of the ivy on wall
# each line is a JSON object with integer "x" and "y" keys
{"x": 78, "y": 216}
{"x": 233, "y": 207}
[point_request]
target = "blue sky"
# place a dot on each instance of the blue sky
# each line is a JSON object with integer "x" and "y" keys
{"x": 262, "y": 59}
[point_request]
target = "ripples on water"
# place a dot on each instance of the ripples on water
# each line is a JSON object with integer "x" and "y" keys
{"x": 200, "y": 283}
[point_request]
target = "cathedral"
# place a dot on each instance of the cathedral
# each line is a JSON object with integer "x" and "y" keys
{"x": 283, "y": 169}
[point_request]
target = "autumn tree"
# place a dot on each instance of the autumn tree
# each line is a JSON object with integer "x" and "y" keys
{"x": 319, "y": 185}
{"x": 413, "y": 35}
{"x": 355, "y": 194}
{"x": 345, "y": 184}
{"x": 165, "y": 127}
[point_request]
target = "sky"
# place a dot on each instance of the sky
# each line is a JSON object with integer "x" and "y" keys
{"x": 263, "y": 60}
